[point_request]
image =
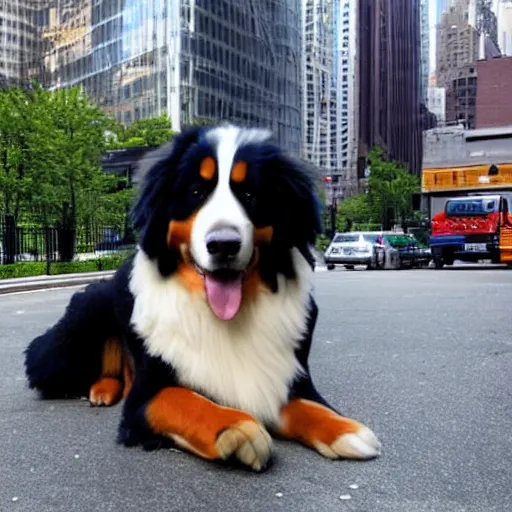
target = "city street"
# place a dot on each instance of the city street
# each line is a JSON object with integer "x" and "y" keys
{"x": 423, "y": 357}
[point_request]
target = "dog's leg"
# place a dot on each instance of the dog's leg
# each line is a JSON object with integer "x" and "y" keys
{"x": 332, "y": 435}
{"x": 128, "y": 373}
{"x": 208, "y": 430}
{"x": 308, "y": 418}
{"x": 107, "y": 390}
{"x": 67, "y": 359}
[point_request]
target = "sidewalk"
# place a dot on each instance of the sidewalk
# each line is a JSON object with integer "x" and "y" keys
{"x": 22, "y": 284}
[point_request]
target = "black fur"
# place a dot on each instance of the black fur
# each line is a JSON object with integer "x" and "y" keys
{"x": 66, "y": 359}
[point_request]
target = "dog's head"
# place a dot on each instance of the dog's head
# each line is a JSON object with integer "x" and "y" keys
{"x": 221, "y": 205}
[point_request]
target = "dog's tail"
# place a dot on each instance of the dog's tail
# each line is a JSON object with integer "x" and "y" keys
{"x": 81, "y": 348}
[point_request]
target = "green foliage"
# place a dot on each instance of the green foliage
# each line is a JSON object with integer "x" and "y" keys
{"x": 28, "y": 269}
{"x": 354, "y": 210}
{"x": 390, "y": 189}
{"x": 368, "y": 226}
{"x": 50, "y": 149}
{"x": 322, "y": 242}
{"x": 22, "y": 270}
{"x": 51, "y": 145}
{"x": 147, "y": 132}
{"x": 388, "y": 201}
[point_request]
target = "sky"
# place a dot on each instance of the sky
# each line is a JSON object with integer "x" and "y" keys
{"x": 436, "y": 8}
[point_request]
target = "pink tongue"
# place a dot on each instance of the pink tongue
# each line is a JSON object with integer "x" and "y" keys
{"x": 224, "y": 297}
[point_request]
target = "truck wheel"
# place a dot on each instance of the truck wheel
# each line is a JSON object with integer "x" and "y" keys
{"x": 438, "y": 262}
{"x": 331, "y": 266}
{"x": 448, "y": 259}
{"x": 349, "y": 267}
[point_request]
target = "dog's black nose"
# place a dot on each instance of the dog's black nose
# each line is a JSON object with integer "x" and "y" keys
{"x": 224, "y": 242}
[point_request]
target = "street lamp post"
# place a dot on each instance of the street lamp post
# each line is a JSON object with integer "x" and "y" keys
{"x": 333, "y": 205}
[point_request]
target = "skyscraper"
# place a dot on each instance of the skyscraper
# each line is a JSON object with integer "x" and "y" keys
{"x": 330, "y": 100}
{"x": 457, "y": 53}
{"x": 486, "y": 22}
{"x": 504, "y": 27}
{"x": 193, "y": 60}
{"x": 425, "y": 48}
{"x": 346, "y": 70}
{"x": 319, "y": 92}
{"x": 20, "y": 43}
{"x": 389, "y": 89}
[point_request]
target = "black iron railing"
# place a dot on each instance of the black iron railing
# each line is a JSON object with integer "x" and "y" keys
{"x": 55, "y": 244}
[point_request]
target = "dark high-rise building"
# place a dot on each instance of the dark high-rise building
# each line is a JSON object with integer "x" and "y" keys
{"x": 389, "y": 81}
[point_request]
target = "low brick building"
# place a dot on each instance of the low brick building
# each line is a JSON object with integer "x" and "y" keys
{"x": 494, "y": 93}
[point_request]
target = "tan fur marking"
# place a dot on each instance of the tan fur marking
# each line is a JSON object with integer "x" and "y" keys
{"x": 207, "y": 169}
{"x": 179, "y": 232}
{"x": 112, "y": 361}
{"x": 106, "y": 391}
{"x": 239, "y": 172}
{"x": 312, "y": 423}
{"x": 263, "y": 235}
{"x": 128, "y": 373}
{"x": 206, "y": 429}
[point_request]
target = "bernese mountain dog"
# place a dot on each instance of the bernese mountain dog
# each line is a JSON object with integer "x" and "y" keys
{"x": 206, "y": 330}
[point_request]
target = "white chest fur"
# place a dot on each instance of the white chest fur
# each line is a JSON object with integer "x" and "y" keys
{"x": 246, "y": 363}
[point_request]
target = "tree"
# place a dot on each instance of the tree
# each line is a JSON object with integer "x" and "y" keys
{"x": 355, "y": 209}
{"x": 50, "y": 149}
{"x": 147, "y": 132}
{"x": 404, "y": 187}
{"x": 390, "y": 189}
{"x": 79, "y": 128}
{"x": 389, "y": 197}
{"x": 14, "y": 123}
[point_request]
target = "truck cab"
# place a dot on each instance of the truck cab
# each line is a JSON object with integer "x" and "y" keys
{"x": 472, "y": 228}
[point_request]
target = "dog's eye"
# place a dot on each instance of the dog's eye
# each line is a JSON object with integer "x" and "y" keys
{"x": 249, "y": 199}
{"x": 198, "y": 192}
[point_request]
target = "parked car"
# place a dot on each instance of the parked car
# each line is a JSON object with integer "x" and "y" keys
{"x": 357, "y": 248}
{"x": 404, "y": 251}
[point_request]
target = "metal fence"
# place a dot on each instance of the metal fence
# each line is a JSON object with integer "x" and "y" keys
{"x": 55, "y": 244}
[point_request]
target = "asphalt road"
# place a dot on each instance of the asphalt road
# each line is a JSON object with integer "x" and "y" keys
{"x": 423, "y": 357}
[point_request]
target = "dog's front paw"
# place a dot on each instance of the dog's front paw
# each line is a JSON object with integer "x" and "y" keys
{"x": 248, "y": 441}
{"x": 330, "y": 434}
{"x": 361, "y": 444}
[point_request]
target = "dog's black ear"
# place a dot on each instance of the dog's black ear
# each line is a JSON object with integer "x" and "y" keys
{"x": 296, "y": 210}
{"x": 152, "y": 209}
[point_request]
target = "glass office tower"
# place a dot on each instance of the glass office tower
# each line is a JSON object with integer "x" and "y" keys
{"x": 236, "y": 60}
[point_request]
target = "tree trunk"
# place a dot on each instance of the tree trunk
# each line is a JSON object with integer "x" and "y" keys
{"x": 73, "y": 203}
{"x": 17, "y": 201}
{"x": 7, "y": 195}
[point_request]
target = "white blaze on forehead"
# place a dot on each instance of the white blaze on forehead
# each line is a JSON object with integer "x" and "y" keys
{"x": 227, "y": 139}
{"x": 222, "y": 208}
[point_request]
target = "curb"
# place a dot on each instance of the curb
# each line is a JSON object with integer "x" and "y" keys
{"x": 25, "y": 284}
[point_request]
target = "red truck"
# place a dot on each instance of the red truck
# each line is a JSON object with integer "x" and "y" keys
{"x": 472, "y": 228}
